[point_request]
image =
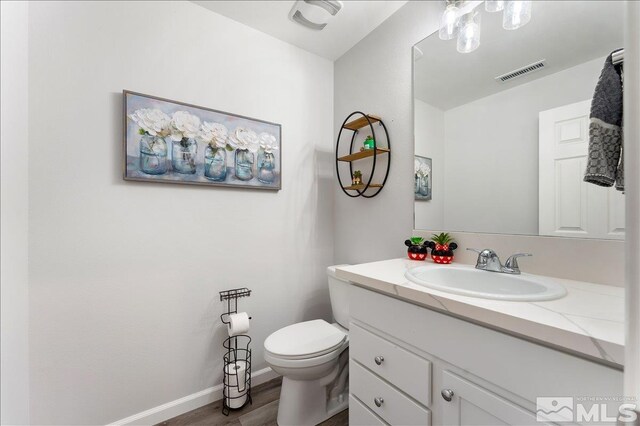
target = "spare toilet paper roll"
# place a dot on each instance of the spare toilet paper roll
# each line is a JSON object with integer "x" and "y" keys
{"x": 238, "y": 323}
{"x": 235, "y": 387}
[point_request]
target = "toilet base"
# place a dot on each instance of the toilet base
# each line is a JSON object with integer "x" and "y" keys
{"x": 304, "y": 403}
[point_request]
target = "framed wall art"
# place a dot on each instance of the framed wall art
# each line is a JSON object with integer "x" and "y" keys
{"x": 423, "y": 178}
{"x": 174, "y": 142}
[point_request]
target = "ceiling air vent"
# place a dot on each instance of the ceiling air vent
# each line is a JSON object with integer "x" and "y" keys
{"x": 521, "y": 71}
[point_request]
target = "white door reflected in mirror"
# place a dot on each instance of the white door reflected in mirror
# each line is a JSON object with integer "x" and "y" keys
{"x": 570, "y": 207}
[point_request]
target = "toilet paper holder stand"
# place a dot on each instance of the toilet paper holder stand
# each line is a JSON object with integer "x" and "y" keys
{"x": 236, "y": 390}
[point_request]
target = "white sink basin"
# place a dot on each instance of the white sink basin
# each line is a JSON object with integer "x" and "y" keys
{"x": 468, "y": 281}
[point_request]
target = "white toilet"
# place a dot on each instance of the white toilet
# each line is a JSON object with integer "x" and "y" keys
{"x": 313, "y": 358}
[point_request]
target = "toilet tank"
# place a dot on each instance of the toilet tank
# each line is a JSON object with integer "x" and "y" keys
{"x": 338, "y": 292}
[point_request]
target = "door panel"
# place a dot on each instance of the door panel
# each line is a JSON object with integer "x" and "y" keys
{"x": 568, "y": 206}
{"x": 474, "y": 405}
{"x": 571, "y": 196}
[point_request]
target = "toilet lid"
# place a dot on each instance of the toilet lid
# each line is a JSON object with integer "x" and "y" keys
{"x": 305, "y": 340}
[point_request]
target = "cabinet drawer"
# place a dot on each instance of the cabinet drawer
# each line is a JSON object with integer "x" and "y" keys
{"x": 396, "y": 408}
{"x": 398, "y": 366}
{"x": 359, "y": 415}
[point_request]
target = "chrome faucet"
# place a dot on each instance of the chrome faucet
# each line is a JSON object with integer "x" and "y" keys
{"x": 488, "y": 260}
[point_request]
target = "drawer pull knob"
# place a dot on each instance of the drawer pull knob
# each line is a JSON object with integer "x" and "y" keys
{"x": 447, "y": 394}
{"x": 378, "y": 401}
{"x": 379, "y": 359}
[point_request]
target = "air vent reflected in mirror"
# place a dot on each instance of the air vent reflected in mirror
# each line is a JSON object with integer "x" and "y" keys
{"x": 521, "y": 71}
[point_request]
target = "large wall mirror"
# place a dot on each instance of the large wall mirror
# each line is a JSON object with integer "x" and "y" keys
{"x": 502, "y": 132}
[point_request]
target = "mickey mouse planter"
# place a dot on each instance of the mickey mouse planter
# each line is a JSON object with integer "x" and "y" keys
{"x": 417, "y": 249}
{"x": 442, "y": 247}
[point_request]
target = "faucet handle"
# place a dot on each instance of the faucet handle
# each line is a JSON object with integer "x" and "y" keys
{"x": 485, "y": 257}
{"x": 512, "y": 261}
{"x": 483, "y": 253}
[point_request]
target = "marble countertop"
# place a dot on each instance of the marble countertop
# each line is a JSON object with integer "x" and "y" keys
{"x": 588, "y": 321}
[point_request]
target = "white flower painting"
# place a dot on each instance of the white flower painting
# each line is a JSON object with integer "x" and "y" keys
{"x": 184, "y": 126}
{"x": 213, "y": 134}
{"x": 152, "y": 121}
{"x": 174, "y": 142}
{"x": 244, "y": 139}
{"x": 423, "y": 178}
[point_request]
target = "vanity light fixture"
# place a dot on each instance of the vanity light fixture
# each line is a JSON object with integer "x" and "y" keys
{"x": 449, "y": 23}
{"x": 462, "y": 20}
{"x": 516, "y": 14}
{"x": 314, "y": 14}
{"x": 494, "y": 5}
{"x": 469, "y": 37}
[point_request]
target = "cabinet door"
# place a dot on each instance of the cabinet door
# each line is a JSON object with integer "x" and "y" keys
{"x": 474, "y": 405}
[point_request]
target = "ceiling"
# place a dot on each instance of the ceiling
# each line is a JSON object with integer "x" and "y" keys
{"x": 565, "y": 33}
{"x": 356, "y": 19}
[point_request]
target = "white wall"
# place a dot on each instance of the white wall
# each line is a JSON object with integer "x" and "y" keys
{"x": 430, "y": 142}
{"x": 14, "y": 408}
{"x": 124, "y": 308}
{"x": 376, "y": 76}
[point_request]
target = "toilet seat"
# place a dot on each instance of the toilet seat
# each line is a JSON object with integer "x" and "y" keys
{"x": 305, "y": 340}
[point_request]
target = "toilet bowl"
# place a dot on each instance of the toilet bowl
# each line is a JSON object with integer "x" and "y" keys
{"x": 313, "y": 358}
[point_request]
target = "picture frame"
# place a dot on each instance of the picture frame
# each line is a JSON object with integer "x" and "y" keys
{"x": 423, "y": 176}
{"x": 168, "y": 141}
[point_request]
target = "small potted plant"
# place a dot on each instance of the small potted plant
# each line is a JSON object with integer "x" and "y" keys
{"x": 356, "y": 179}
{"x": 442, "y": 247}
{"x": 417, "y": 250}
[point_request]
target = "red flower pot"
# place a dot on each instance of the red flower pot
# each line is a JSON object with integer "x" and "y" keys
{"x": 444, "y": 260}
{"x": 416, "y": 255}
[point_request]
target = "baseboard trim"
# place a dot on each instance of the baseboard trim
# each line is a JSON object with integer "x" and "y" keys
{"x": 190, "y": 402}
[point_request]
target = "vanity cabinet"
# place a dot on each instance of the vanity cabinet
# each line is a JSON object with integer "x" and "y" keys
{"x": 468, "y": 403}
{"x": 411, "y": 365}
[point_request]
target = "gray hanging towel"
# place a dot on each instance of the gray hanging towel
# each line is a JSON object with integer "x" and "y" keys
{"x": 605, "y": 162}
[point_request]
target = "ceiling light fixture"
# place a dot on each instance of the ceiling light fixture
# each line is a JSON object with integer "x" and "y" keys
{"x": 449, "y": 21}
{"x": 494, "y": 5}
{"x": 314, "y": 14}
{"x": 516, "y": 14}
{"x": 462, "y": 20}
{"x": 469, "y": 37}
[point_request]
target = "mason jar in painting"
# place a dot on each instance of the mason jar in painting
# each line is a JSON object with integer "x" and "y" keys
{"x": 266, "y": 167}
{"x": 423, "y": 185}
{"x": 183, "y": 156}
{"x": 215, "y": 164}
{"x": 153, "y": 155}
{"x": 244, "y": 160}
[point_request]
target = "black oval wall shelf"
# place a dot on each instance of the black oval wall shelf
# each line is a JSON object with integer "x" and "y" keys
{"x": 355, "y": 126}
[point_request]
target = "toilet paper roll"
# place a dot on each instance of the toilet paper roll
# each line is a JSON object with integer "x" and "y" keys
{"x": 235, "y": 386}
{"x": 238, "y": 324}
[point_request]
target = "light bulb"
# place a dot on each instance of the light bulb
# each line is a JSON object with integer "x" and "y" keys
{"x": 516, "y": 14}
{"x": 494, "y": 5}
{"x": 449, "y": 22}
{"x": 469, "y": 36}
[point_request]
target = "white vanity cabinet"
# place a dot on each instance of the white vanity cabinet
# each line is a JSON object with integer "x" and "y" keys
{"x": 471, "y": 404}
{"x": 411, "y": 365}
